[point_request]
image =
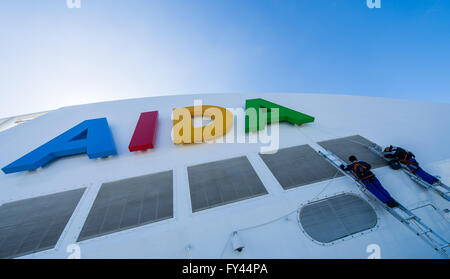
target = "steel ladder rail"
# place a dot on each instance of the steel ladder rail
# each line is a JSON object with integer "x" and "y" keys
{"x": 423, "y": 231}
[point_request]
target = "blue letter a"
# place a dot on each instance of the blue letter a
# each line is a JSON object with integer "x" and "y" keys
{"x": 91, "y": 136}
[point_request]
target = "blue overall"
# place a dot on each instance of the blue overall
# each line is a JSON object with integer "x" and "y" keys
{"x": 372, "y": 183}
{"x": 420, "y": 172}
{"x": 374, "y": 186}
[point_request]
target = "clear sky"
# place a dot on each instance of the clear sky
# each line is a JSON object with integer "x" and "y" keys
{"x": 53, "y": 56}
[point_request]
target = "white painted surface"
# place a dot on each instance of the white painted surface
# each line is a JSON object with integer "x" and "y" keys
{"x": 418, "y": 126}
{"x": 7, "y": 123}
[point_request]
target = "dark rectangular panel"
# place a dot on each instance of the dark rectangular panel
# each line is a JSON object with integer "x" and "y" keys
{"x": 130, "y": 203}
{"x": 353, "y": 145}
{"x": 222, "y": 182}
{"x": 299, "y": 165}
{"x": 32, "y": 225}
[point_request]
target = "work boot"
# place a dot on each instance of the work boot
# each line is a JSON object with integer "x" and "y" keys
{"x": 392, "y": 204}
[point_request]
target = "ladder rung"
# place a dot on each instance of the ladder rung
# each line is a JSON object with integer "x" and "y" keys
{"x": 445, "y": 246}
{"x": 411, "y": 217}
{"x": 425, "y": 232}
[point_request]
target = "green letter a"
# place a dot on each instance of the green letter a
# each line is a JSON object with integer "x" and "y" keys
{"x": 284, "y": 115}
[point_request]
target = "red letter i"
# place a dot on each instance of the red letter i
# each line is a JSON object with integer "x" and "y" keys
{"x": 145, "y": 131}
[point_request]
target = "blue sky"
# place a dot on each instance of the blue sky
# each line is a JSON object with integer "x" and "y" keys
{"x": 53, "y": 56}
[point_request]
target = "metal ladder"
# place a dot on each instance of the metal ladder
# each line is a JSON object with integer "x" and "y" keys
{"x": 443, "y": 193}
{"x": 401, "y": 213}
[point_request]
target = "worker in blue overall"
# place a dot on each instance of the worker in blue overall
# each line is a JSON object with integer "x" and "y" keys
{"x": 407, "y": 158}
{"x": 361, "y": 170}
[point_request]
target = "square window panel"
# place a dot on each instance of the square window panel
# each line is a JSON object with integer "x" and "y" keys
{"x": 298, "y": 166}
{"x": 32, "y": 225}
{"x": 130, "y": 203}
{"x": 222, "y": 182}
{"x": 353, "y": 145}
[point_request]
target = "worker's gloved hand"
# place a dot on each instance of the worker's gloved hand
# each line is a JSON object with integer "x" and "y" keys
{"x": 342, "y": 167}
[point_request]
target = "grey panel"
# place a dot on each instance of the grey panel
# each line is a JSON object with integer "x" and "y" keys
{"x": 337, "y": 217}
{"x": 299, "y": 165}
{"x": 35, "y": 224}
{"x": 218, "y": 183}
{"x": 130, "y": 203}
{"x": 353, "y": 145}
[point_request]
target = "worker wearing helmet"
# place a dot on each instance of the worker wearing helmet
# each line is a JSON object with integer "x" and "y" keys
{"x": 407, "y": 158}
{"x": 361, "y": 170}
